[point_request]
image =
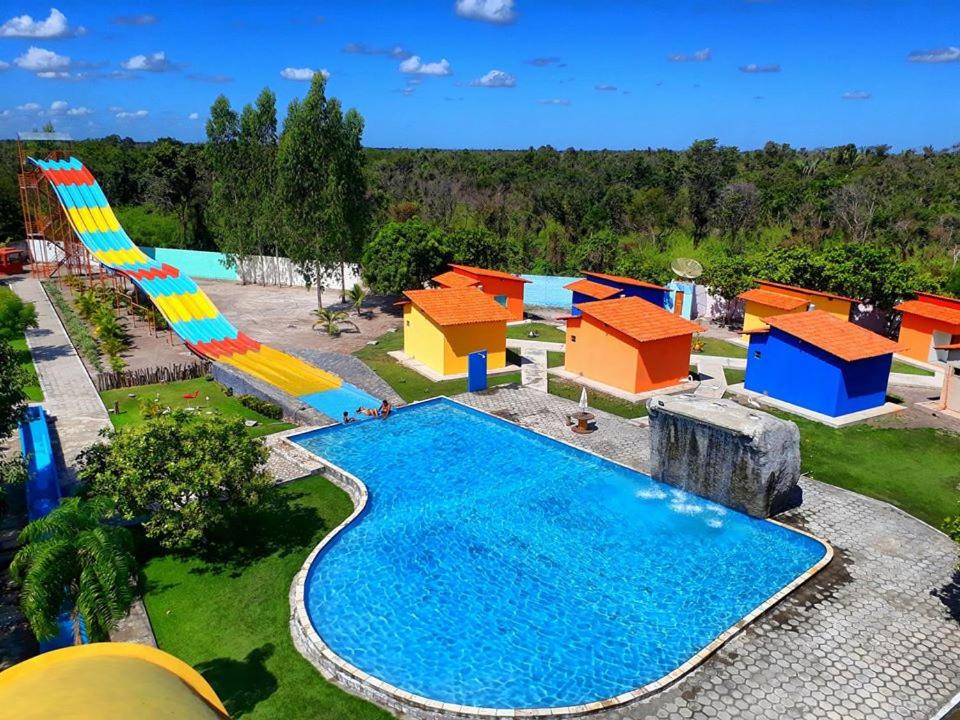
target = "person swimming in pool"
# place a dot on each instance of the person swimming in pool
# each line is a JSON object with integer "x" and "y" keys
{"x": 347, "y": 419}
{"x": 381, "y": 412}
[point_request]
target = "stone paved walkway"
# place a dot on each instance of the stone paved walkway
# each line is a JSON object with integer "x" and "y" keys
{"x": 713, "y": 382}
{"x": 69, "y": 393}
{"x": 874, "y": 635}
{"x": 533, "y": 371}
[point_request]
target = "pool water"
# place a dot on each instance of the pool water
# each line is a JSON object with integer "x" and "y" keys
{"x": 495, "y": 567}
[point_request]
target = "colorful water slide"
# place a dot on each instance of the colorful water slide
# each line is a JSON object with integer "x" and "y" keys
{"x": 183, "y": 304}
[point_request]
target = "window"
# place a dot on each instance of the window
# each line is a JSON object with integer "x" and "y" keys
{"x": 408, "y": 323}
{"x": 756, "y": 354}
{"x": 573, "y": 338}
{"x": 502, "y": 299}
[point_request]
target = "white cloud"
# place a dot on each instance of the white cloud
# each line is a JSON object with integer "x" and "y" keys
{"x": 55, "y": 26}
{"x": 79, "y": 111}
{"x": 28, "y": 107}
{"x": 58, "y": 106}
{"x": 131, "y": 114}
{"x": 495, "y": 79}
{"x": 698, "y": 56}
{"x": 754, "y": 68}
{"x": 396, "y": 52}
{"x": 155, "y": 62}
{"x": 856, "y": 95}
{"x": 193, "y": 116}
{"x": 940, "y": 55}
{"x": 305, "y": 73}
{"x": 145, "y": 19}
{"x": 605, "y": 87}
{"x": 499, "y": 12}
{"x": 554, "y": 101}
{"x": 414, "y": 65}
{"x": 39, "y": 60}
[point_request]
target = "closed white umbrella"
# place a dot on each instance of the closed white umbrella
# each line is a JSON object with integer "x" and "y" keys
{"x": 583, "y": 399}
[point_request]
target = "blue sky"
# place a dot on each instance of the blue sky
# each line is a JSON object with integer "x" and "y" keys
{"x": 499, "y": 73}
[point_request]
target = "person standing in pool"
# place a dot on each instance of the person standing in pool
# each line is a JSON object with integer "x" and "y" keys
{"x": 381, "y": 412}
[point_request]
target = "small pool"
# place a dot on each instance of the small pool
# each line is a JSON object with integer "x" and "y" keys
{"x": 495, "y": 567}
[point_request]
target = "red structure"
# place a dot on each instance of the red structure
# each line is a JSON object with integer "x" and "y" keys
{"x": 505, "y": 288}
{"x": 12, "y": 261}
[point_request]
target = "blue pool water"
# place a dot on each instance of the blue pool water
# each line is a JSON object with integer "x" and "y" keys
{"x": 498, "y": 568}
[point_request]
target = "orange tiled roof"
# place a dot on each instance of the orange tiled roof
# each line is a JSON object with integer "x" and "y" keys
{"x": 929, "y": 310}
{"x": 829, "y": 333}
{"x": 805, "y": 291}
{"x": 950, "y": 346}
{"x": 592, "y": 289}
{"x": 772, "y": 299}
{"x": 950, "y": 300}
{"x": 451, "y": 279}
{"x": 488, "y": 273}
{"x": 639, "y": 319}
{"x": 623, "y": 280}
{"x": 458, "y": 306}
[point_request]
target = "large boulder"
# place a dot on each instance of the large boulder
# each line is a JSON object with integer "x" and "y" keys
{"x": 734, "y": 455}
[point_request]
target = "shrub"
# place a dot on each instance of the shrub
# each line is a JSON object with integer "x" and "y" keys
{"x": 264, "y": 407}
{"x": 76, "y": 328}
{"x": 15, "y": 315}
{"x": 190, "y": 476}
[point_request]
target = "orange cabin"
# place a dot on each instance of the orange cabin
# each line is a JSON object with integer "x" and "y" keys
{"x": 505, "y": 288}
{"x": 929, "y": 325}
{"x": 630, "y": 344}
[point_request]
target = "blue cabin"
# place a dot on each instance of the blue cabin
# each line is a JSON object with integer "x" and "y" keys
{"x": 600, "y": 286}
{"x": 819, "y": 362}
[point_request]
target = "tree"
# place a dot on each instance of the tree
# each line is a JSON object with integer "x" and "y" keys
{"x": 73, "y": 559}
{"x": 706, "y": 169}
{"x": 329, "y": 320}
{"x": 322, "y": 186}
{"x": 651, "y": 211}
{"x": 189, "y": 475}
{"x": 737, "y": 210}
{"x": 477, "y": 246}
{"x": 554, "y": 246}
{"x": 597, "y": 252}
{"x": 357, "y": 295}
{"x": 404, "y": 256}
{"x": 13, "y": 400}
{"x": 174, "y": 181}
{"x": 854, "y": 207}
{"x": 15, "y": 316}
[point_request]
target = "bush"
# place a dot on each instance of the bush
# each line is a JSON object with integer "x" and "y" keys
{"x": 15, "y": 315}
{"x": 190, "y": 476}
{"x": 76, "y": 328}
{"x": 264, "y": 407}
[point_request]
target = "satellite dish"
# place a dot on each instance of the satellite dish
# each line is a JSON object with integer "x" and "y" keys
{"x": 686, "y": 268}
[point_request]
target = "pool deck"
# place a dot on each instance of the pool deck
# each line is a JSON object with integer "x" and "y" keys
{"x": 876, "y": 634}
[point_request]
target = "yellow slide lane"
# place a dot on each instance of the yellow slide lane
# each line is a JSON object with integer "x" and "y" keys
{"x": 119, "y": 258}
{"x": 317, "y": 378}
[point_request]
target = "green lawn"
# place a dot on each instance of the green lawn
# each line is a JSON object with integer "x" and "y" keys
{"x": 600, "y": 401}
{"x": 212, "y": 397}
{"x": 409, "y": 384}
{"x": 907, "y": 369}
{"x": 545, "y": 332}
{"x": 734, "y": 375}
{"x": 32, "y": 388}
{"x": 915, "y": 469}
{"x": 721, "y": 348}
{"x": 230, "y": 620}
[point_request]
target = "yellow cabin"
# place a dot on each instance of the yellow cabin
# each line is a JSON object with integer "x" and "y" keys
{"x": 770, "y": 298}
{"x": 442, "y": 327}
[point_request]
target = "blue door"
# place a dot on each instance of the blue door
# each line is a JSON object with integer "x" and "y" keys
{"x": 477, "y": 371}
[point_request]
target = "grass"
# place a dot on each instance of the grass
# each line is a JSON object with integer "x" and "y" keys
{"x": 598, "y": 400}
{"x": 32, "y": 387}
{"x": 915, "y": 469}
{"x": 545, "y": 332}
{"x": 230, "y": 619}
{"x": 734, "y": 375}
{"x": 721, "y": 348}
{"x": 171, "y": 395}
{"x": 907, "y": 369}
{"x": 409, "y": 384}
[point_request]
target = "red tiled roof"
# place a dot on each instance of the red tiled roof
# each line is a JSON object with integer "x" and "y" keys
{"x": 458, "y": 306}
{"x": 639, "y": 319}
{"x": 929, "y": 310}
{"x": 623, "y": 280}
{"x": 488, "y": 273}
{"x": 805, "y": 291}
{"x": 772, "y": 299}
{"x": 829, "y": 333}
{"x": 453, "y": 279}
{"x": 592, "y": 289}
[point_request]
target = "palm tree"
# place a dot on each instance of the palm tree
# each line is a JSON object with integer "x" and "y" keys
{"x": 329, "y": 320}
{"x": 71, "y": 559}
{"x": 357, "y": 295}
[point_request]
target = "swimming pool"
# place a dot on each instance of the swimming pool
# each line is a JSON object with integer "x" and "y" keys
{"x": 494, "y": 567}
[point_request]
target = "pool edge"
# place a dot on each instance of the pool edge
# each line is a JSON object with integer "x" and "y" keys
{"x": 352, "y": 679}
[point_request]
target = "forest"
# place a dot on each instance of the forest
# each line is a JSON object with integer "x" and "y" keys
{"x": 862, "y": 221}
